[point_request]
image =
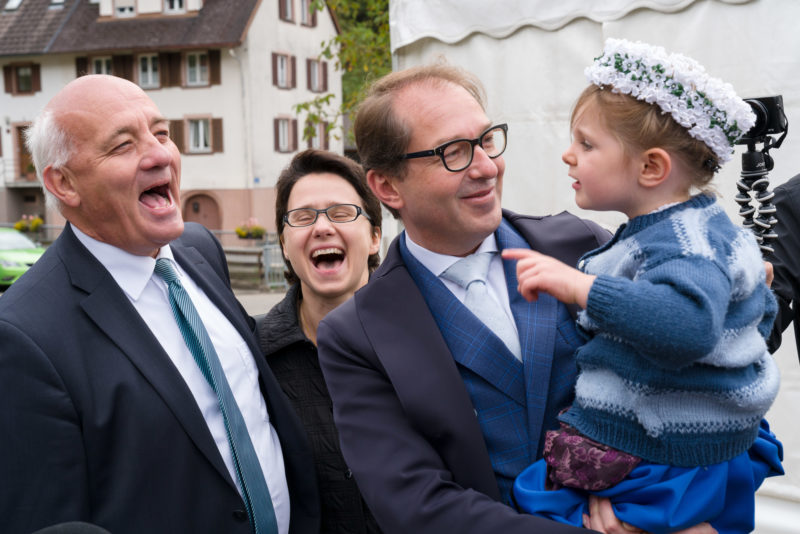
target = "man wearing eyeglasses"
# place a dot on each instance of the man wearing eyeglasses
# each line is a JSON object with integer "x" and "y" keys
{"x": 437, "y": 411}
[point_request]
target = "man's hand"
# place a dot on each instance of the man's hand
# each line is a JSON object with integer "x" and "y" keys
{"x": 602, "y": 519}
{"x": 537, "y": 272}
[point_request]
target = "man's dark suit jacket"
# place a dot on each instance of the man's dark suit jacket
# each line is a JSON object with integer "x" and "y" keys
{"x": 405, "y": 418}
{"x": 96, "y": 422}
{"x": 786, "y": 261}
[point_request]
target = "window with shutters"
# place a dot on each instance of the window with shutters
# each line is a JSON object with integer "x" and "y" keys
{"x": 197, "y": 135}
{"x": 148, "y": 71}
{"x": 22, "y": 78}
{"x": 101, "y": 65}
{"x": 317, "y": 75}
{"x": 283, "y": 71}
{"x": 320, "y": 137}
{"x": 308, "y": 16}
{"x": 286, "y": 10}
{"x": 285, "y": 135}
{"x": 197, "y": 68}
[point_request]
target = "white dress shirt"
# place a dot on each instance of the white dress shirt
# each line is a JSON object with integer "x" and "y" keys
{"x": 496, "y": 278}
{"x": 148, "y": 294}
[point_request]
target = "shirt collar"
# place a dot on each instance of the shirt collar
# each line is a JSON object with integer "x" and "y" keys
{"x": 130, "y": 272}
{"x": 439, "y": 263}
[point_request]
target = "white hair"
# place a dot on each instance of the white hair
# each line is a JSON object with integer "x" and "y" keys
{"x": 49, "y": 145}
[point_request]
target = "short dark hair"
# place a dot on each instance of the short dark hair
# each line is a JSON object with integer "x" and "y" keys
{"x": 315, "y": 161}
{"x": 382, "y": 137}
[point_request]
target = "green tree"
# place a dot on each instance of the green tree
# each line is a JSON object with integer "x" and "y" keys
{"x": 361, "y": 52}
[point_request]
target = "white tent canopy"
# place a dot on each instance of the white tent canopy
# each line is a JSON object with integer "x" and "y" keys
{"x": 530, "y": 55}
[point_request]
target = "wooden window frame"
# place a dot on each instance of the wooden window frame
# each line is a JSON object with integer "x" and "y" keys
{"x": 291, "y": 134}
{"x": 11, "y": 78}
{"x": 199, "y": 54}
{"x": 291, "y": 70}
{"x": 286, "y": 15}
{"x": 138, "y": 70}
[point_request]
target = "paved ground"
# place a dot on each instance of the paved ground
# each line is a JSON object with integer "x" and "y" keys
{"x": 258, "y": 302}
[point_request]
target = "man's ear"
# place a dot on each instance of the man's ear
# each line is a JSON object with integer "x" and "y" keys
{"x": 384, "y": 188}
{"x": 656, "y": 166}
{"x": 375, "y": 244}
{"x": 61, "y": 183}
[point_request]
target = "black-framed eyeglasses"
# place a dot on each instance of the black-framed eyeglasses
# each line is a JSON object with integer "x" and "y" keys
{"x": 456, "y": 155}
{"x": 338, "y": 213}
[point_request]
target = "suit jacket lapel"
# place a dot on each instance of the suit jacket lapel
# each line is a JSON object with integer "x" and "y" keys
{"x": 108, "y": 306}
{"x": 421, "y": 360}
{"x": 471, "y": 342}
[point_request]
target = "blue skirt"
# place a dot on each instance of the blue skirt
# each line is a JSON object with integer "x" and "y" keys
{"x": 660, "y": 498}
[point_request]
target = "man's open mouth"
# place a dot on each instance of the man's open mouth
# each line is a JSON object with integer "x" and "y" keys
{"x": 156, "y": 197}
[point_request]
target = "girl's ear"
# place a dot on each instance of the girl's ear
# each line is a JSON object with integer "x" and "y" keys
{"x": 656, "y": 166}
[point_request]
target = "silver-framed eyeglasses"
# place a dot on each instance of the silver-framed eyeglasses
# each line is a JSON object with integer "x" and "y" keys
{"x": 338, "y": 213}
{"x": 456, "y": 155}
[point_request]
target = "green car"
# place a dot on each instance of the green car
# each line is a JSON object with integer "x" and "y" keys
{"x": 17, "y": 253}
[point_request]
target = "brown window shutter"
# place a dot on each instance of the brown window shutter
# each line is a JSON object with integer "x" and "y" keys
{"x": 308, "y": 74}
{"x": 163, "y": 69}
{"x": 324, "y": 76}
{"x": 275, "y": 129}
{"x": 216, "y": 135}
{"x": 122, "y": 66}
{"x": 81, "y": 66}
{"x": 7, "y": 78}
{"x": 294, "y": 73}
{"x": 314, "y": 18}
{"x": 36, "y": 78}
{"x": 274, "y": 68}
{"x": 325, "y": 135}
{"x": 281, "y": 10}
{"x": 308, "y": 141}
{"x": 176, "y": 133}
{"x": 214, "y": 67}
{"x": 293, "y": 134}
{"x": 172, "y": 68}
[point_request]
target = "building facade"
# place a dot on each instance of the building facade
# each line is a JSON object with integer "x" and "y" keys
{"x": 227, "y": 73}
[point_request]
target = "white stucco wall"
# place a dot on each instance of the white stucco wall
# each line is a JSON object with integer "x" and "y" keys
{"x": 269, "y": 34}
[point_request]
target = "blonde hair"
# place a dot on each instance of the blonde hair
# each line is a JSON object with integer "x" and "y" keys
{"x": 640, "y": 126}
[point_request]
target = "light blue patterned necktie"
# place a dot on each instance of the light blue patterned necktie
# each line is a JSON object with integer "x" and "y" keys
{"x": 248, "y": 470}
{"x": 470, "y": 273}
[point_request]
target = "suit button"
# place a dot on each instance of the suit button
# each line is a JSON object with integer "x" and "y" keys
{"x": 240, "y": 515}
{"x": 348, "y": 474}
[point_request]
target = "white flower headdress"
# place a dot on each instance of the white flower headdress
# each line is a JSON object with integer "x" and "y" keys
{"x": 707, "y": 107}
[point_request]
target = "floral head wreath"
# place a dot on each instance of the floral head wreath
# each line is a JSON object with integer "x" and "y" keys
{"x": 707, "y": 107}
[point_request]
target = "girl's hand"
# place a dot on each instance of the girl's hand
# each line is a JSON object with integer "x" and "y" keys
{"x": 537, "y": 272}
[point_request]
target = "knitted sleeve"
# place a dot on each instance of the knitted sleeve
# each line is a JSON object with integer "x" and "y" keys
{"x": 673, "y": 313}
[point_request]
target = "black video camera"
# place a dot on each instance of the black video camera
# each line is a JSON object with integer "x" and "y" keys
{"x": 770, "y": 119}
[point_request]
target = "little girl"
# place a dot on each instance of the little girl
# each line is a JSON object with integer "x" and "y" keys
{"x": 675, "y": 377}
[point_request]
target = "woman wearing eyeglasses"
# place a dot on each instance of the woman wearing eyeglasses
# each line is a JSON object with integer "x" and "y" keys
{"x": 329, "y": 224}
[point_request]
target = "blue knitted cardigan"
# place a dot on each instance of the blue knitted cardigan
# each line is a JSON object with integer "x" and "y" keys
{"x": 675, "y": 369}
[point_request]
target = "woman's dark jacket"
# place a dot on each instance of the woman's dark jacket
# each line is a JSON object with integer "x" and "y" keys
{"x": 293, "y": 359}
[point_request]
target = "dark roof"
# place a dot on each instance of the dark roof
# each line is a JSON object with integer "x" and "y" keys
{"x": 35, "y": 28}
{"x": 30, "y": 28}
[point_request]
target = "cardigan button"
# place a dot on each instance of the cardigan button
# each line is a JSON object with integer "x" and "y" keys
{"x": 348, "y": 474}
{"x": 240, "y": 515}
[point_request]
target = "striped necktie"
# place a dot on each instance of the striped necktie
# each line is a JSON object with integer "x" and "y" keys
{"x": 248, "y": 470}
